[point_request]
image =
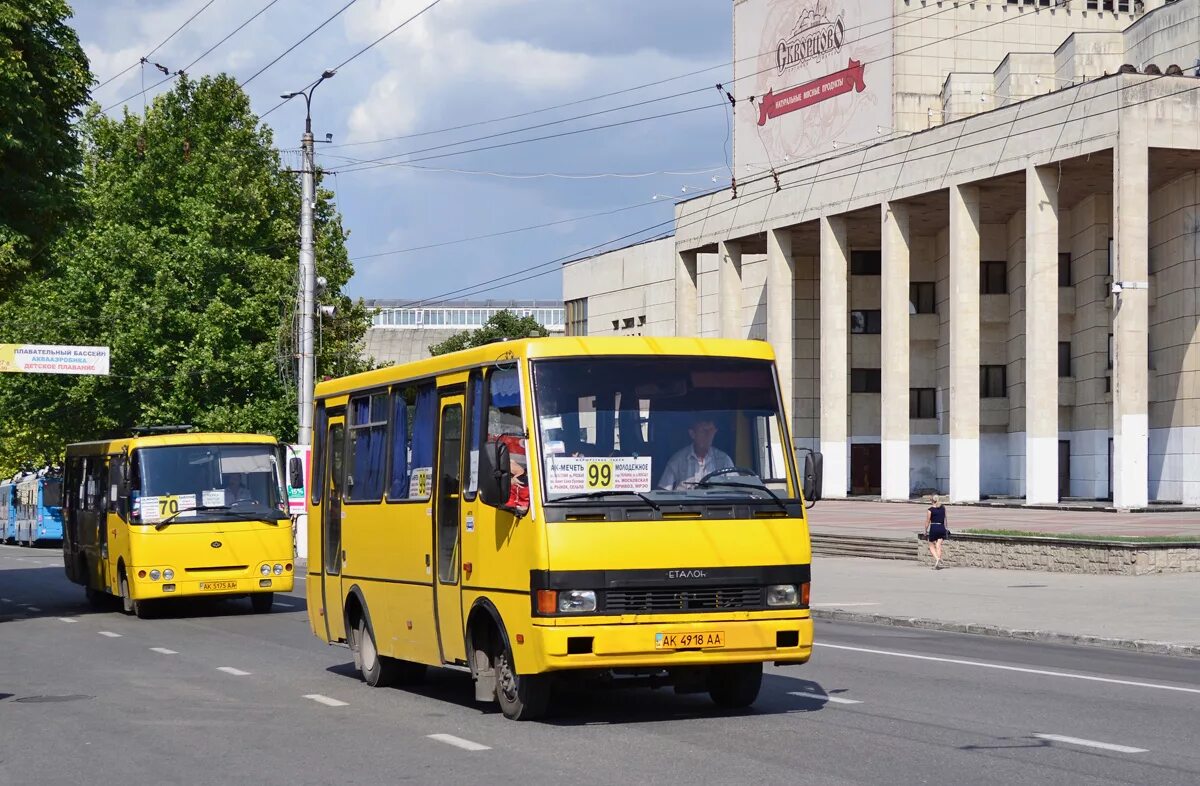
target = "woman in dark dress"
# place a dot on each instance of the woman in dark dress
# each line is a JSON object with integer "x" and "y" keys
{"x": 935, "y": 531}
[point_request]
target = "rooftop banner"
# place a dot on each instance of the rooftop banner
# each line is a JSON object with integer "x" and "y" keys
{"x": 812, "y": 76}
{"x": 53, "y": 359}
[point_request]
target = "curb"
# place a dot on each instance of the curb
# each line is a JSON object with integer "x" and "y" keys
{"x": 1136, "y": 645}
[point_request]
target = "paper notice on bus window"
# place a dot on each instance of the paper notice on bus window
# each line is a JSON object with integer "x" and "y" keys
{"x": 213, "y": 498}
{"x": 420, "y": 482}
{"x": 155, "y": 509}
{"x": 567, "y": 475}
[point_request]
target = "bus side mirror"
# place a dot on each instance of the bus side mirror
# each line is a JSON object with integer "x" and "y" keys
{"x": 296, "y": 473}
{"x": 495, "y": 480}
{"x": 813, "y": 469}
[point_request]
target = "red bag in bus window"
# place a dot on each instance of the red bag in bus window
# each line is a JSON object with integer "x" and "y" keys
{"x": 518, "y": 464}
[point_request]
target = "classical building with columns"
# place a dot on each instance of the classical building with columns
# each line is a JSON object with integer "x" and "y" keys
{"x": 1003, "y": 304}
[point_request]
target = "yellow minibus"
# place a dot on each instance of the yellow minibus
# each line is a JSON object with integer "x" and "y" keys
{"x": 550, "y": 508}
{"x": 168, "y": 513}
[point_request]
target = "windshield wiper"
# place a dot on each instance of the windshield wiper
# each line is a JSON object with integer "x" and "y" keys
{"x": 731, "y": 484}
{"x": 609, "y": 493}
{"x": 167, "y": 521}
{"x": 224, "y": 508}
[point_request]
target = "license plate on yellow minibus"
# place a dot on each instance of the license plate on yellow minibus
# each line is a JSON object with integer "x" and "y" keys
{"x": 680, "y": 641}
{"x": 217, "y": 585}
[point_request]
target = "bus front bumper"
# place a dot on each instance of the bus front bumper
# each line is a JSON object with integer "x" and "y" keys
{"x": 647, "y": 644}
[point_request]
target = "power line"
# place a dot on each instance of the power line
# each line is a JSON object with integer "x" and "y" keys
{"x": 904, "y": 155}
{"x": 292, "y": 48}
{"x": 354, "y": 56}
{"x": 185, "y": 24}
{"x": 205, "y": 54}
{"x": 387, "y": 160}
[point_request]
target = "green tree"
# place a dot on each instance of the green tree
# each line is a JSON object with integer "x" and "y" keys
{"x": 44, "y": 81}
{"x": 500, "y": 326}
{"x": 187, "y": 270}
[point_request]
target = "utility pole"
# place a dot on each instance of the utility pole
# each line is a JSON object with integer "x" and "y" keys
{"x": 308, "y": 270}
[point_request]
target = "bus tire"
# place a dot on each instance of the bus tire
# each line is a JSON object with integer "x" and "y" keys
{"x": 735, "y": 686}
{"x": 261, "y": 602}
{"x": 377, "y": 671}
{"x": 521, "y": 697}
{"x": 128, "y": 604}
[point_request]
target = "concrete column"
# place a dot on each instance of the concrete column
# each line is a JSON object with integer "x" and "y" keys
{"x": 1131, "y": 320}
{"x": 729, "y": 291}
{"x": 835, "y": 393}
{"x": 964, "y": 343}
{"x": 781, "y": 307}
{"x": 894, "y": 303}
{"x": 1041, "y": 335}
{"x": 687, "y": 295}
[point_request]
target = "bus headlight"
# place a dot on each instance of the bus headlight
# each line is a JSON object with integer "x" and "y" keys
{"x": 782, "y": 595}
{"x": 576, "y": 601}
{"x": 278, "y": 569}
{"x": 154, "y": 575}
{"x": 168, "y": 574}
{"x": 265, "y": 570}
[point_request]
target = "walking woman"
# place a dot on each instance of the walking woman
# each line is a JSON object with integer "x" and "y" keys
{"x": 935, "y": 531}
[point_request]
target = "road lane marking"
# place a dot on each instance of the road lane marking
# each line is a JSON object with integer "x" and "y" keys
{"x": 458, "y": 742}
{"x": 842, "y": 605}
{"x": 233, "y": 671}
{"x": 66, "y": 619}
{"x": 163, "y": 651}
{"x": 328, "y": 702}
{"x": 1021, "y": 669}
{"x": 823, "y": 697}
{"x": 285, "y": 605}
{"x": 34, "y": 609}
{"x": 1108, "y": 746}
{"x": 110, "y": 634}
{"x": 5, "y": 600}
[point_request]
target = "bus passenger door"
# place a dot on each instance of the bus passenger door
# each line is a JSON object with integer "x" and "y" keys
{"x": 447, "y": 523}
{"x": 331, "y": 527}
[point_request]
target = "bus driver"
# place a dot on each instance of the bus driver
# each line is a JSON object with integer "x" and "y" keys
{"x": 692, "y": 463}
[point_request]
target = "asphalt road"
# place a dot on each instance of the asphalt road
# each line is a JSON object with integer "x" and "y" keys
{"x": 211, "y": 693}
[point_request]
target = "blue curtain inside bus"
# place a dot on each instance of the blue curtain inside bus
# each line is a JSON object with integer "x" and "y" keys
{"x": 398, "y": 487}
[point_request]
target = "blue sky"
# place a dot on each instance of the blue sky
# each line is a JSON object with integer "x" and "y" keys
{"x": 462, "y": 62}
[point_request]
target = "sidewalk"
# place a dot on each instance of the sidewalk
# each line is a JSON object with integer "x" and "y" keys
{"x": 1146, "y": 613}
{"x": 905, "y": 519}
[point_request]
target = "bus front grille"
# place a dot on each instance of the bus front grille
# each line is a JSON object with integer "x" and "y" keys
{"x": 641, "y": 601}
{"x": 216, "y": 568}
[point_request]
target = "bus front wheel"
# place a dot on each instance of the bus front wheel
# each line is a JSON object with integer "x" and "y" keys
{"x": 521, "y": 696}
{"x": 138, "y": 608}
{"x": 377, "y": 671}
{"x": 735, "y": 686}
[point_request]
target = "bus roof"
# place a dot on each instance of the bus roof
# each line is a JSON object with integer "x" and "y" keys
{"x": 166, "y": 440}
{"x": 549, "y": 347}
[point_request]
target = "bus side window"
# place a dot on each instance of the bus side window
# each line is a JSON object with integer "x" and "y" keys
{"x": 475, "y": 415}
{"x": 505, "y": 435}
{"x": 413, "y": 422}
{"x": 317, "y": 462}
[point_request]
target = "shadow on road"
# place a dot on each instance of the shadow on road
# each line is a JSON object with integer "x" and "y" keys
{"x": 577, "y": 703}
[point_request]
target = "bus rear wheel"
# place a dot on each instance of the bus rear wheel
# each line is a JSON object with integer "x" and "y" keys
{"x": 261, "y": 602}
{"x": 735, "y": 686}
{"x": 521, "y": 696}
{"x": 377, "y": 671}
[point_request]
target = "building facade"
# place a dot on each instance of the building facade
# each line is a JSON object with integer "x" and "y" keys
{"x": 402, "y": 331}
{"x": 1003, "y": 304}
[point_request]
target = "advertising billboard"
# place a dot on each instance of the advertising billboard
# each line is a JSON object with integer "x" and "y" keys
{"x": 52, "y": 359}
{"x": 820, "y": 73}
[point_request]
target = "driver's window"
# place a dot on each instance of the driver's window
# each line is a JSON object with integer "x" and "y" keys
{"x": 504, "y": 419}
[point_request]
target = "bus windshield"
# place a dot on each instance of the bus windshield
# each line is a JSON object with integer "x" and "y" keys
{"x": 666, "y": 429}
{"x": 190, "y": 483}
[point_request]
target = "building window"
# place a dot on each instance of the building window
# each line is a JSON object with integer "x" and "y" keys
{"x": 866, "y": 263}
{"x": 1110, "y": 257}
{"x": 993, "y": 278}
{"x": 1110, "y": 350}
{"x": 1064, "y": 269}
{"x": 922, "y": 297}
{"x": 992, "y": 382}
{"x": 922, "y": 403}
{"x": 869, "y": 322}
{"x": 865, "y": 380}
{"x": 1064, "y": 358}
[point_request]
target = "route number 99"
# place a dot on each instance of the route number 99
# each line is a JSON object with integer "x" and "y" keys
{"x": 599, "y": 476}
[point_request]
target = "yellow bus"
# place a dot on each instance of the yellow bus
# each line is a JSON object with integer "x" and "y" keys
{"x": 169, "y": 513}
{"x": 563, "y": 507}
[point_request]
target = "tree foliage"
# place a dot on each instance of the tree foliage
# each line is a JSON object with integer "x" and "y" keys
{"x": 187, "y": 269}
{"x": 44, "y": 81}
{"x": 500, "y": 326}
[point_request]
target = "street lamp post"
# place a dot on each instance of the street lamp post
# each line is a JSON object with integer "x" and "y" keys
{"x": 308, "y": 268}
